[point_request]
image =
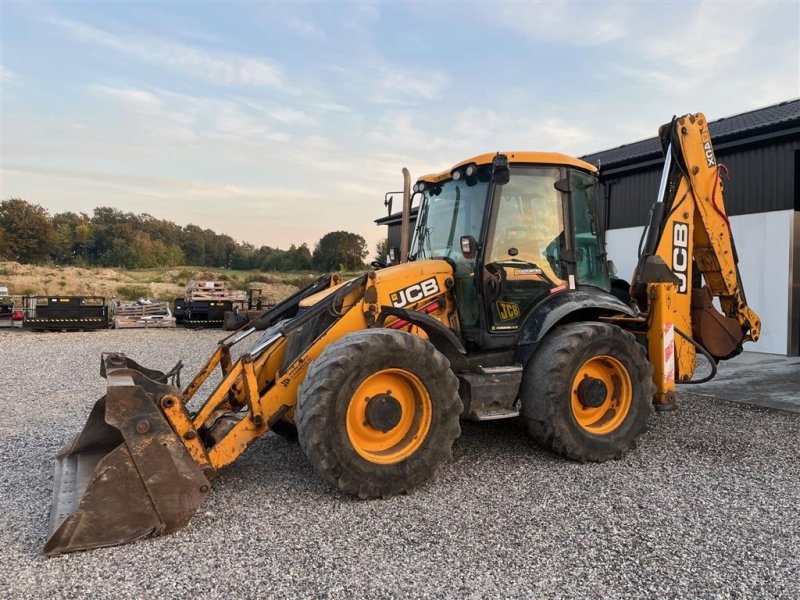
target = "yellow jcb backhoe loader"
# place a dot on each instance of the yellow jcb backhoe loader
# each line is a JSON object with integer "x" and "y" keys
{"x": 504, "y": 305}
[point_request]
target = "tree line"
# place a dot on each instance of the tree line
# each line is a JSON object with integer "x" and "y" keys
{"x": 114, "y": 238}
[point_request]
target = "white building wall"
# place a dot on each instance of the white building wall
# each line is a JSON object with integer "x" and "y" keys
{"x": 764, "y": 244}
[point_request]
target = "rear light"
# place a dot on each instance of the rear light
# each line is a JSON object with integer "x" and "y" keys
{"x": 17, "y": 315}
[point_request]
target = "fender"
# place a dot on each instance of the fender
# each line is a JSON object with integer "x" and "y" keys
{"x": 554, "y": 309}
{"x": 442, "y": 338}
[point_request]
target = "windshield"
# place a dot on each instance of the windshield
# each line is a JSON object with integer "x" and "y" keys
{"x": 449, "y": 211}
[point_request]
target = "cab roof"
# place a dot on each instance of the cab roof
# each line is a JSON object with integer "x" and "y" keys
{"x": 544, "y": 158}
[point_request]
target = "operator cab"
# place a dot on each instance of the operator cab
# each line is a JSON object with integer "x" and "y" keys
{"x": 517, "y": 228}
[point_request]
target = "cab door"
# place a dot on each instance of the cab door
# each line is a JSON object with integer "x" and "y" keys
{"x": 522, "y": 261}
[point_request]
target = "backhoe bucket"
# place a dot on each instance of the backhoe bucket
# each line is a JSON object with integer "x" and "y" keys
{"x": 127, "y": 475}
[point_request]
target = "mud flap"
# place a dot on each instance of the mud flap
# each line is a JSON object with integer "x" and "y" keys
{"x": 127, "y": 475}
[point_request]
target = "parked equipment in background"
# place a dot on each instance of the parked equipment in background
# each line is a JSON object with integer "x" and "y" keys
{"x": 143, "y": 314}
{"x": 65, "y": 313}
{"x": 206, "y": 303}
{"x": 259, "y": 301}
{"x": 6, "y": 308}
{"x": 502, "y": 307}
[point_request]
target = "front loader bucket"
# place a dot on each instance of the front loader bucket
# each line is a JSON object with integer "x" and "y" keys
{"x": 126, "y": 475}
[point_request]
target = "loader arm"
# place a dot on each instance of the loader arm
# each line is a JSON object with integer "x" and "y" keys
{"x": 689, "y": 259}
{"x": 141, "y": 465}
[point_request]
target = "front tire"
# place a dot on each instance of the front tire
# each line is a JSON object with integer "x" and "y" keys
{"x": 587, "y": 392}
{"x": 378, "y": 412}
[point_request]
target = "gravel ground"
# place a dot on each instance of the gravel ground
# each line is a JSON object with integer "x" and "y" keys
{"x": 706, "y": 507}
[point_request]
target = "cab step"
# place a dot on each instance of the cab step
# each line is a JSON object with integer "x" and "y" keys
{"x": 493, "y": 413}
{"x": 499, "y": 370}
{"x": 490, "y": 393}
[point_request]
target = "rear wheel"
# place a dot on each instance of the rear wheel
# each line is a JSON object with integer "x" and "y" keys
{"x": 587, "y": 391}
{"x": 378, "y": 412}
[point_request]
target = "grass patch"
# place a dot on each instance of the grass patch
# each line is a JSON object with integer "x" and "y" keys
{"x": 166, "y": 296}
{"x": 133, "y": 292}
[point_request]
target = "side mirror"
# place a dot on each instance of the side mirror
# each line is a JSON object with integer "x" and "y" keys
{"x": 612, "y": 268}
{"x": 562, "y": 185}
{"x": 501, "y": 174}
{"x": 468, "y": 246}
{"x": 394, "y": 255}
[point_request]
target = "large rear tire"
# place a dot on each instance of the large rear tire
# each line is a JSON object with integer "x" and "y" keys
{"x": 378, "y": 412}
{"x": 587, "y": 392}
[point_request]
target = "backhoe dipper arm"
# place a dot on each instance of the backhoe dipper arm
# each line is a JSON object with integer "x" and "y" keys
{"x": 689, "y": 229}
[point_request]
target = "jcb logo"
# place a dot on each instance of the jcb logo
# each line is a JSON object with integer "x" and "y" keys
{"x": 414, "y": 293}
{"x": 709, "y": 151}
{"x": 508, "y": 311}
{"x": 680, "y": 254}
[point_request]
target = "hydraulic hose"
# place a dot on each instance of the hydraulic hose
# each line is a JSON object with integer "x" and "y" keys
{"x": 705, "y": 353}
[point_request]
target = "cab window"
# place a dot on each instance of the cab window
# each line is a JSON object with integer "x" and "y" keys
{"x": 591, "y": 267}
{"x": 523, "y": 260}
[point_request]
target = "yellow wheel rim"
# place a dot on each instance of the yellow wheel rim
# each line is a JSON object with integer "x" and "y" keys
{"x": 602, "y": 394}
{"x": 389, "y": 416}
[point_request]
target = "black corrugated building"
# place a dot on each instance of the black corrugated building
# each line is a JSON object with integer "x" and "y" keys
{"x": 760, "y": 148}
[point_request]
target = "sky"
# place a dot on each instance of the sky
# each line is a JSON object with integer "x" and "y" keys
{"x": 279, "y": 122}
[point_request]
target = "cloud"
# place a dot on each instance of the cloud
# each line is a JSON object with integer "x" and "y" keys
{"x": 385, "y": 84}
{"x": 715, "y": 57}
{"x": 704, "y": 38}
{"x": 305, "y": 28}
{"x": 172, "y": 117}
{"x": 7, "y": 75}
{"x": 654, "y": 77}
{"x": 361, "y": 16}
{"x": 219, "y": 67}
{"x": 160, "y": 186}
{"x": 400, "y": 86}
{"x": 133, "y": 97}
{"x": 573, "y": 23}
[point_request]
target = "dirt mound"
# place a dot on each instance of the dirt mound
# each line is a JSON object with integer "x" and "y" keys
{"x": 166, "y": 284}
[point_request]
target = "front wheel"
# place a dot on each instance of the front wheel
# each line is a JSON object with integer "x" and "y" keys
{"x": 378, "y": 412}
{"x": 587, "y": 391}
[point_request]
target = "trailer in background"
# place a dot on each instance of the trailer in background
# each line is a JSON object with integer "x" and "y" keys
{"x": 7, "y": 311}
{"x": 258, "y": 302}
{"x": 65, "y": 313}
{"x": 206, "y": 303}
